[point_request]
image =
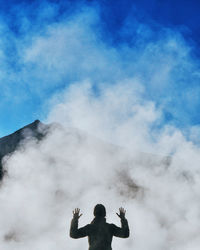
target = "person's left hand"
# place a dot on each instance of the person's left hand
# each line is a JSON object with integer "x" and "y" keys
{"x": 76, "y": 213}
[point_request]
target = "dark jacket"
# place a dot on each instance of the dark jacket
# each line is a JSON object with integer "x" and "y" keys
{"x": 99, "y": 232}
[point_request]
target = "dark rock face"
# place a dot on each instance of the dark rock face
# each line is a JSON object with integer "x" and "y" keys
{"x": 9, "y": 143}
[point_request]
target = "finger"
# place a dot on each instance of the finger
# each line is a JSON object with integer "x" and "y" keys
{"x": 80, "y": 215}
{"x": 117, "y": 214}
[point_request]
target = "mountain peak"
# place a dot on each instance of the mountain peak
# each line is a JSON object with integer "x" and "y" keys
{"x": 9, "y": 143}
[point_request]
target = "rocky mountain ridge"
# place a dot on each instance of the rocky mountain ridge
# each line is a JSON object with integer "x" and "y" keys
{"x": 9, "y": 143}
{"x": 38, "y": 130}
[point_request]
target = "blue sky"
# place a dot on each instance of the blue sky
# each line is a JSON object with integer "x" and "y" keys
{"x": 47, "y": 46}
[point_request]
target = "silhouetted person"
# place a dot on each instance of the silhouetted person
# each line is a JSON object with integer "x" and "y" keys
{"x": 99, "y": 232}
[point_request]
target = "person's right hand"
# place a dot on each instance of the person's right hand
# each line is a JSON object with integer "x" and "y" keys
{"x": 122, "y": 212}
{"x": 76, "y": 213}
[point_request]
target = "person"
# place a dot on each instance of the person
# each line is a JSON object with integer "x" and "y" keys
{"x": 99, "y": 232}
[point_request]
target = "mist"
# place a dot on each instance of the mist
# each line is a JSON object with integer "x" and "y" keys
{"x": 115, "y": 144}
{"x": 96, "y": 157}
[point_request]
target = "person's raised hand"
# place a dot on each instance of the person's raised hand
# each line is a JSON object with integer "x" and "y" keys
{"x": 122, "y": 213}
{"x": 76, "y": 214}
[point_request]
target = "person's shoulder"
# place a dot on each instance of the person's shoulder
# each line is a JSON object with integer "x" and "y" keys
{"x": 88, "y": 227}
{"x": 110, "y": 225}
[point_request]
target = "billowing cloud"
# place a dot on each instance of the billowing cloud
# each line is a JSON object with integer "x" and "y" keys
{"x": 75, "y": 50}
{"x": 121, "y": 108}
{"x": 44, "y": 55}
{"x": 96, "y": 158}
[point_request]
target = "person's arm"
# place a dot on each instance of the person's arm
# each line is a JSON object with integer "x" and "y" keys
{"x": 76, "y": 232}
{"x": 123, "y": 231}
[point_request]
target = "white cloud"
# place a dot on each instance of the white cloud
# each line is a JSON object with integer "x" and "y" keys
{"x": 96, "y": 159}
{"x": 79, "y": 167}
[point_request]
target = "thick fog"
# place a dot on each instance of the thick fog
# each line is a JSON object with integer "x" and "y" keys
{"x": 114, "y": 144}
{"x": 96, "y": 157}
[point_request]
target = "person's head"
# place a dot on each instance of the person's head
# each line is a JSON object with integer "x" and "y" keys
{"x": 99, "y": 210}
